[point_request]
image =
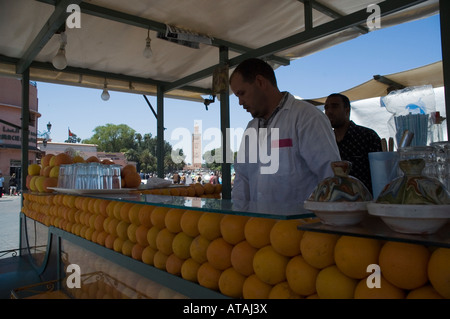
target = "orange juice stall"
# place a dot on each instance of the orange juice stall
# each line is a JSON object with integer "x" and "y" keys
{"x": 186, "y": 242}
{"x": 194, "y": 241}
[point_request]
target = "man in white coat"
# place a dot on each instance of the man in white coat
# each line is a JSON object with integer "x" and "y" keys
{"x": 287, "y": 147}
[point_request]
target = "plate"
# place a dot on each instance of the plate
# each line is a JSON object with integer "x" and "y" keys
{"x": 411, "y": 219}
{"x": 338, "y": 213}
{"x": 91, "y": 191}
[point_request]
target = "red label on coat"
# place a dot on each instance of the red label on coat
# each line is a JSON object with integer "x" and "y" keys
{"x": 285, "y": 142}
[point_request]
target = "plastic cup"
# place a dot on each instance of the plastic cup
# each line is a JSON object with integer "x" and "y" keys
{"x": 383, "y": 169}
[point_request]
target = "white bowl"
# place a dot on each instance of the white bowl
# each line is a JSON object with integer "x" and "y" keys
{"x": 338, "y": 213}
{"x": 412, "y": 219}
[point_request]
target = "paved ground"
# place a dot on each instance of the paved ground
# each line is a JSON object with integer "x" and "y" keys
{"x": 9, "y": 222}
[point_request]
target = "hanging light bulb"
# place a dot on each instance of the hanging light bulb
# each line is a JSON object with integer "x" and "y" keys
{"x": 59, "y": 61}
{"x": 105, "y": 93}
{"x": 148, "y": 50}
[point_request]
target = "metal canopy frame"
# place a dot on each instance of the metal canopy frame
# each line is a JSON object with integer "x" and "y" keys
{"x": 341, "y": 22}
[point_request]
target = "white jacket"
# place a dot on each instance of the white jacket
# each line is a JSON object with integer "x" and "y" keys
{"x": 295, "y": 161}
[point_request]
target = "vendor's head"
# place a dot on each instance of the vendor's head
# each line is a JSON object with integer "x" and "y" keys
{"x": 337, "y": 108}
{"x": 255, "y": 85}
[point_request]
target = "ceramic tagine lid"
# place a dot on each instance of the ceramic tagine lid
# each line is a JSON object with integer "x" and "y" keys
{"x": 414, "y": 188}
{"x": 341, "y": 187}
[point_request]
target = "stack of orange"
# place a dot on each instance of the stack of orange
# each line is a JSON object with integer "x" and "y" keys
{"x": 251, "y": 257}
{"x": 130, "y": 178}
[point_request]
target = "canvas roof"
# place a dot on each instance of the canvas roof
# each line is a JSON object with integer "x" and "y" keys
{"x": 381, "y": 85}
{"x": 111, "y": 39}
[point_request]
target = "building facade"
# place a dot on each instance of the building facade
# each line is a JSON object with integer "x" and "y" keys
{"x": 10, "y": 127}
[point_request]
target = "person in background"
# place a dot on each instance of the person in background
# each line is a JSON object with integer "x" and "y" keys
{"x": 176, "y": 178}
{"x": 355, "y": 142}
{"x": 2, "y": 180}
{"x": 304, "y": 148}
{"x": 13, "y": 185}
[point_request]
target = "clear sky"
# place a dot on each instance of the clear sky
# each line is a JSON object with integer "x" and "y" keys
{"x": 335, "y": 69}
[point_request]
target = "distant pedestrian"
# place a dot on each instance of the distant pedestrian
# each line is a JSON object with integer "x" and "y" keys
{"x": 13, "y": 185}
{"x": 2, "y": 180}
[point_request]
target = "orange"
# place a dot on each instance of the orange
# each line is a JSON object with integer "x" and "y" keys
{"x": 109, "y": 207}
{"x": 242, "y": 258}
{"x": 231, "y": 282}
{"x": 386, "y": 290}
{"x": 141, "y": 235}
{"x": 181, "y": 245}
{"x": 117, "y": 209}
{"x": 102, "y": 204}
{"x": 129, "y": 168}
{"x": 173, "y": 219}
{"x": 199, "y": 190}
{"x": 49, "y": 182}
{"x": 232, "y": 228}
{"x": 109, "y": 241}
{"x": 34, "y": 169}
{"x": 136, "y": 251}
{"x": 151, "y": 236}
{"x": 78, "y": 159}
{"x": 45, "y": 171}
{"x": 189, "y": 222}
{"x": 331, "y": 283}
{"x": 191, "y": 191}
{"x": 257, "y": 231}
{"x": 112, "y": 226}
{"x": 209, "y": 225}
{"x": 45, "y": 161}
{"x": 285, "y": 237}
{"x": 270, "y": 266}
{"x": 92, "y": 159}
{"x": 54, "y": 172}
{"x": 424, "y": 292}
{"x": 121, "y": 229}
{"x": 148, "y": 255}
{"x": 158, "y": 216}
{"x": 353, "y": 254}
{"x": 301, "y": 276}
{"x": 164, "y": 241}
{"x": 189, "y": 270}
{"x": 127, "y": 247}
{"x": 145, "y": 213}
{"x": 124, "y": 209}
{"x": 254, "y": 288}
{"x": 173, "y": 264}
{"x": 318, "y": 248}
{"x": 98, "y": 223}
{"x": 283, "y": 291}
{"x": 198, "y": 249}
{"x": 439, "y": 271}
{"x": 132, "y": 180}
{"x": 404, "y": 265}
{"x": 218, "y": 254}
{"x": 131, "y": 232}
{"x": 159, "y": 260}
{"x": 208, "y": 276}
{"x": 62, "y": 158}
{"x": 133, "y": 214}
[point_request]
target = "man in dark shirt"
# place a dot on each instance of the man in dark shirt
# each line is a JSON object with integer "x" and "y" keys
{"x": 355, "y": 142}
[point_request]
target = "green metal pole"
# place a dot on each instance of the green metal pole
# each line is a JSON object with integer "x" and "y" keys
{"x": 444, "y": 11}
{"x": 160, "y": 132}
{"x": 25, "y": 125}
{"x": 224, "y": 126}
{"x": 24, "y": 140}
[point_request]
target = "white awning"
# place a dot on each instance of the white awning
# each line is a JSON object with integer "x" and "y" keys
{"x": 110, "y": 41}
